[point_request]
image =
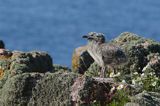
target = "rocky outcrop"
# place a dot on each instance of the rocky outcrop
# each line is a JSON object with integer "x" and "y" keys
{"x": 37, "y": 89}
{"x": 147, "y": 99}
{"x": 31, "y": 62}
{"x": 31, "y": 79}
{"x": 86, "y": 90}
{"x": 20, "y": 62}
{"x": 27, "y": 79}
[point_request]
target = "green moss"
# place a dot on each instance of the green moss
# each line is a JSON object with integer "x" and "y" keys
{"x": 120, "y": 98}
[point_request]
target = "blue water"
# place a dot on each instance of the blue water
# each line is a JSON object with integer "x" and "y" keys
{"x": 56, "y": 26}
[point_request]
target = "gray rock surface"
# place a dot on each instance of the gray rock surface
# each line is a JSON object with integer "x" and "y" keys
{"x": 37, "y": 89}
{"x": 147, "y": 99}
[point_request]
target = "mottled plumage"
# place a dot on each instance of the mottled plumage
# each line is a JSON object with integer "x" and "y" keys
{"x": 104, "y": 54}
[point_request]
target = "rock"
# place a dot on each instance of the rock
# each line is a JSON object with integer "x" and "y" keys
{"x": 31, "y": 62}
{"x": 37, "y": 89}
{"x": 20, "y": 62}
{"x": 132, "y": 104}
{"x": 18, "y": 89}
{"x": 137, "y": 50}
{"x": 81, "y": 60}
{"x": 147, "y": 99}
{"x": 57, "y": 67}
{"x": 54, "y": 89}
{"x": 87, "y": 90}
{"x": 2, "y": 46}
{"x": 143, "y": 59}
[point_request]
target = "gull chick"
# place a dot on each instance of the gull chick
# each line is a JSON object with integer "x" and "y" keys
{"x": 104, "y": 54}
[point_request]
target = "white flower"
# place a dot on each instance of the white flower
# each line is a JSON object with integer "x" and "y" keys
{"x": 156, "y": 78}
{"x": 133, "y": 82}
{"x": 123, "y": 81}
{"x": 151, "y": 73}
{"x": 120, "y": 87}
{"x": 94, "y": 101}
{"x": 111, "y": 74}
{"x": 116, "y": 75}
{"x": 142, "y": 75}
{"x": 154, "y": 83}
{"x": 140, "y": 83}
{"x": 112, "y": 89}
{"x": 135, "y": 73}
{"x": 138, "y": 79}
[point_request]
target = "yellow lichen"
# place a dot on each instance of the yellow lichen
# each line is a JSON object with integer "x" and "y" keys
{"x": 75, "y": 62}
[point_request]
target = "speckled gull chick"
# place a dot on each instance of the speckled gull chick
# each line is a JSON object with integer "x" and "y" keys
{"x": 105, "y": 55}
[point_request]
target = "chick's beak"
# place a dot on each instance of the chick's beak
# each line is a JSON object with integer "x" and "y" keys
{"x": 84, "y": 36}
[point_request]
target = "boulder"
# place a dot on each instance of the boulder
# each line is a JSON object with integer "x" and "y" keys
{"x": 37, "y": 89}
{"x": 147, "y": 99}
{"x": 21, "y": 62}
{"x": 131, "y": 104}
{"x": 56, "y": 89}
{"x": 31, "y": 62}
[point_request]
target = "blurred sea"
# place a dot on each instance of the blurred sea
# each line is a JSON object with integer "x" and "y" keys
{"x": 56, "y": 26}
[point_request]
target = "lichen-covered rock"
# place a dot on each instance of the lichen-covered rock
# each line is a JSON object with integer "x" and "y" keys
{"x": 143, "y": 61}
{"x": 30, "y": 62}
{"x": 18, "y": 89}
{"x": 137, "y": 50}
{"x": 147, "y": 99}
{"x": 131, "y": 104}
{"x": 20, "y": 62}
{"x": 92, "y": 90}
{"x": 61, "y": 88}
{"x": 81, "y": 60}
{"x": 38, "y": 89}
{"x": 57, "y": 67}
{"x": 53, "y": 90}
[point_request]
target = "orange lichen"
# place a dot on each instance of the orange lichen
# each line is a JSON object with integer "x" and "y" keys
{"x": 75, "y": 62}
{"x": 1, "y": 73}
